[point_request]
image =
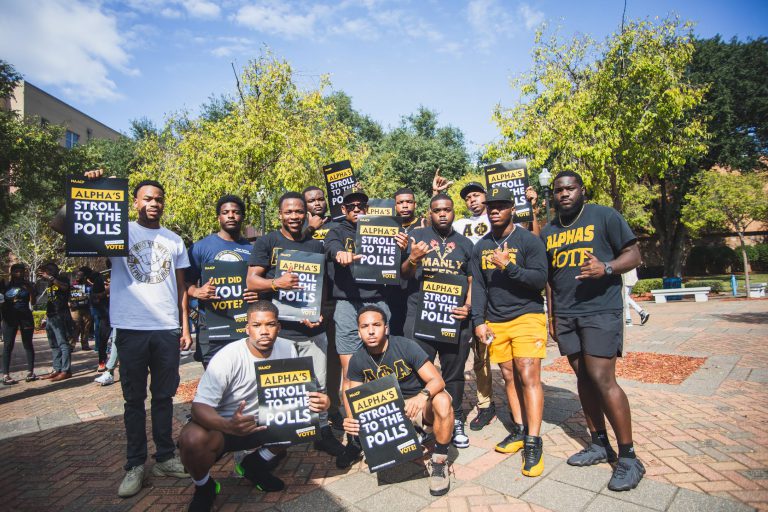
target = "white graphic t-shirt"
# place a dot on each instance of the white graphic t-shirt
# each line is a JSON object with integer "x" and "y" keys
{"x": 474, "y": 228}
{"x": 143, "y": 290}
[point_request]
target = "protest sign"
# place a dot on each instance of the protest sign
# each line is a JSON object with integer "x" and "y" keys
{"x": 284, "y": 387}
{"x": 386, "y": 434}
{"x": 97, "y": 217}
{"x": 383, "y": 207}
{"x": 512, "y": 176}
{"x": 439, "y": 294}
{"x": 375, "y": 241}
{"x": 226, "y": 317}
{"x": 297, "y": 305}
{"x": 338, "y": 177}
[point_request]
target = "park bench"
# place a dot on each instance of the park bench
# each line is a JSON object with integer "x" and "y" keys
{"x": 699, "y": 294}
{"x": 757, "y": 289}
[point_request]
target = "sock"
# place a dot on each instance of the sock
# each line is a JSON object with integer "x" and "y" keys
{"x": 627, "y": 451}
{"x": 441, "y": 449}
{"x": 265, "y": 454}
{"x": 203, "y": 480}
{"x": 600, "y": 438}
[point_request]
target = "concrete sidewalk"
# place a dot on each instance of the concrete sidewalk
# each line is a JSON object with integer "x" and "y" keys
{"x": 704, "y": 442}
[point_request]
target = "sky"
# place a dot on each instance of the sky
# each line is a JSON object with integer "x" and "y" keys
{"x": 123, "y": 60}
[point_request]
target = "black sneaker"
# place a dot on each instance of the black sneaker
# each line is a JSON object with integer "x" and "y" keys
{"x": 644, "y": 317}
{"x": 257, "y": 470}
{"x": 483, "y": 418}
{"x": 533, "y": 456}
{"x": 626, "y": 475}
{"x": 204, "y": 496}
{"x": 328, "y": 442}
{"x": 513, "y": 442}
{"x": 593, "y": 454}
{"x": 351, "y": 454}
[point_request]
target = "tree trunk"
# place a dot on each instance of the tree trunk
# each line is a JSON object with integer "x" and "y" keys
{"x": 672, "y": 233}
{"x": 746, "y": 262}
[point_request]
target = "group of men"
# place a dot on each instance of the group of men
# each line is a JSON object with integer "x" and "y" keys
{"x": 367, "y": 330}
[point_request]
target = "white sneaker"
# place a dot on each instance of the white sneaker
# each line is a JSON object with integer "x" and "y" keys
{"x": 460, "y": 439}
{"x": 105, "y": 379}
{"x": 135, "y": 478}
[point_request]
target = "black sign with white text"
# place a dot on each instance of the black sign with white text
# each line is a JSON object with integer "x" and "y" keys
{"x": 338, "y": 178}
{"x": 226, "y": 316}
{"x": 439, "y": 294}
{"x": 304, "y": 303}
{"x": 384, "y": 207}
{"x": 97, "y": 217}
{"x": 512, "y": 176}
{"x": 375, "y": 241}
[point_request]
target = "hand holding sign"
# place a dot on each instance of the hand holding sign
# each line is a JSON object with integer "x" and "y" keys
{"x": 593, "y": 268}
{"x": 531, "y": 195}
{"x": 351, "y": 426}
{"x": 207, "y": 291}
{"x": 500, "y": 257}
{"x": 241, "y": 424}
{"x": 249, "y": 296}
{"x": 401, "y": 239}
{"x": 318, "y": 402}
{"x": 288, "y": 281}
{"x": 461, "y": 312}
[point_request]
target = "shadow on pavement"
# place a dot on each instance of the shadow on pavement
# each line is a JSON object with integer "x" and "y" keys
{"x": 744, "y": 318}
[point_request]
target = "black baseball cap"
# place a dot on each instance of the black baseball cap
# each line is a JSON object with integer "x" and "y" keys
{"x": 353, "y": 193}
{"x": 472, "y": 186}
{"x": 499, "y": 195}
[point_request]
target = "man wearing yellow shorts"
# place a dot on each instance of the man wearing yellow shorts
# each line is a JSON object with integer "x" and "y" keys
{"x": 509, "y": 272}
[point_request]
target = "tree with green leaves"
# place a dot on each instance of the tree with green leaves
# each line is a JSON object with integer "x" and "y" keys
{"x": 619, "y": 112}
{"x": 730, "y": 201}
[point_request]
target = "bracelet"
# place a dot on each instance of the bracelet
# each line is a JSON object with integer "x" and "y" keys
{"x": 413, "y": 263}
{"x": 274, "y": 288}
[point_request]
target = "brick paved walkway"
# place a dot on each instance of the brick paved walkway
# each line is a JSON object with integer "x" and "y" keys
{"x": 704, "y": 442}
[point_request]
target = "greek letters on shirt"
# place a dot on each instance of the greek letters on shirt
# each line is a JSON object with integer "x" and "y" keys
{"x": 401, "y": 371}
{"x": 477, "y": 230}
{"x": 559, "y": 246}
{"x": 149, "y": 262}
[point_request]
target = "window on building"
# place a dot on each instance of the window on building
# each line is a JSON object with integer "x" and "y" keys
{"x": 43, "y": 122}
{"x": 89, "y": 134}
{"x": 71, "y": 139}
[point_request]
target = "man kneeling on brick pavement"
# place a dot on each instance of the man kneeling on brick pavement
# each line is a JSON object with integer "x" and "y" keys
{"x": 225, "y": 409}
{"x": 426, "y": 401}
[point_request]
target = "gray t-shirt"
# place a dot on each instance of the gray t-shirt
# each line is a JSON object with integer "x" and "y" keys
{"x": 231, "y": 377}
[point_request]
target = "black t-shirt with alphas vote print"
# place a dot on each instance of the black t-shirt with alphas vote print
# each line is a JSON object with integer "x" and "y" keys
{"x": 603, "y": 232}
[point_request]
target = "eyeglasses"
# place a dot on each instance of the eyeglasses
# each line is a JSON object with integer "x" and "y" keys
{"x": 356, "y": 206}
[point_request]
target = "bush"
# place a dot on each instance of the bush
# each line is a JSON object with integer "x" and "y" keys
{"x": 758, "y": 256}
{"x": 718, "y": 259}
{"x": 38, "y": 316}
{"x": 717, "y": 286}
{"x": 646, "y": 285}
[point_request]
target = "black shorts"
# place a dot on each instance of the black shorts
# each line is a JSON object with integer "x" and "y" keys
{"x": 237, "y": 443}
{"x": 599, "y": 335}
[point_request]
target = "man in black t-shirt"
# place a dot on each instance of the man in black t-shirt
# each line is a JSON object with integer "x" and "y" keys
{"x": 588, "y": 247}
{"x": 308, "y": 337}
{"x": 509, "y": 272}
{"x": 439, "y": 249}
{"x": 79, "y": 309}
{"x": 16, "y": 300}
{"x": 318, "y": 223}
{"x": 420, "y": 383}
{"x": 57, "y": 326}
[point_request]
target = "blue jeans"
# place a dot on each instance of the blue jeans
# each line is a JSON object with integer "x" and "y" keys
{"x": 56, "y": 328}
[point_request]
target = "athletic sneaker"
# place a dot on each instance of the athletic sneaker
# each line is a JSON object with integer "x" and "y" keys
{"x": 239, "y": 457}
{"x": 171, "y": 467}
{"x": 257, "y": 470}
{"x": 626, "y": 475}
{"x": 513, "y": 442}
{"x": 483, "y": 418}
{"x": 351, "y": 454}
{"x": 644, "y": 316}
{"x": 105, "y": 379}
{"x": 133, "y": 481}
{"x": 533, "y": 456}
{"x": 204, "y": 496}
{"x": 101, "y": 368}
{"x": 592, "y": 454}
{"x": 460, "y": 439}
{"x": 439, "y": 481}
{"x": 328, "y": 443}
{"x": 628, "y": 323}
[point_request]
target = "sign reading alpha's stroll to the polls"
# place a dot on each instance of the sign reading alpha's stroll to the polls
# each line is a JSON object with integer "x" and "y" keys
{"x": 303, "y": 303}
{"x": 385, "y": 207}
{"x": 514, "y": 177}
{"x": 97, "y": 217}
{"x": 338, "y": 177}
{"x": 386, "y": 434}
{"x": 225, "y": 317}
{"x": 439, "y": 294}
{"x": 375, "y": 241}
{"x": 284, "y": 387}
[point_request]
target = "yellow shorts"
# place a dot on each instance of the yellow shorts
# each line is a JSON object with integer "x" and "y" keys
{"x": 525, "y": 336}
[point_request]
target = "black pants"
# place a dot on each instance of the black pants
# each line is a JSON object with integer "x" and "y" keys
{"x": 453, "y": 357}
{"x": 9, "y": 340}
{"x": 142, "y": 353}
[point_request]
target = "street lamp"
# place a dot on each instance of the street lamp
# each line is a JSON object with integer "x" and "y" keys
{"x": 544, "y": 177}
{"x": 261, "y": 197}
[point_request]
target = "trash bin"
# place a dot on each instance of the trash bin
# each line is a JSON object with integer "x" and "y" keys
{"x": 673, "y": 282}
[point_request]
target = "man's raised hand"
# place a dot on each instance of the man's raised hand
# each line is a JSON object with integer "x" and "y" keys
{"x": 592, "y": 268}
{"x": 346, "y": 258}
{"x": 440, "y": 184}
{"x": 241, "y": 424}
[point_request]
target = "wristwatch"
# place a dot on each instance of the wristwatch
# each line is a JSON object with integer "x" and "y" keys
{"x": 608, "y": 269}
{"x": 425, "y": 392}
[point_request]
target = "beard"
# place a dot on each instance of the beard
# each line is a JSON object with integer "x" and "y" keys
{"x": 572, "y": 210}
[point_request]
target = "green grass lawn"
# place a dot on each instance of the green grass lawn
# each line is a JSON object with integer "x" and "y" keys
{"x": 753, "y": 278}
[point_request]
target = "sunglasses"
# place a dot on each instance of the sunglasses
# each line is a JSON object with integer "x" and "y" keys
{"x": 356, "y": 206}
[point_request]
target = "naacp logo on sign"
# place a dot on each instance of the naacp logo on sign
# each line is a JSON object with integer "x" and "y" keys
{"x": 149, "y": 262}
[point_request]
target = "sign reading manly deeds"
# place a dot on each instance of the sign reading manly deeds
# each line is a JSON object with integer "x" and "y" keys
{"x": 338, "y": 178}
{"x": 284, "y": 387}
{"x": 375, "y": 241}
{"x": 97, "y": 217}
{"x": 514, "y": 177}
{"x": 440, "y": 293}
{"x": 385, "y": 207}
{"x": 304, "y": 303}
{"x": 387, "y": 435}
{"x": 226, "y": 317}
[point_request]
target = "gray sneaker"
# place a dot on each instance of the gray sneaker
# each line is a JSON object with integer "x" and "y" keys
{"x": 171, "y": 467}
{"x": 439, "y": 480}
{"x": 626, "y": 475}
{"x": 132, "y": 483}
{"x": 592, "y": 454}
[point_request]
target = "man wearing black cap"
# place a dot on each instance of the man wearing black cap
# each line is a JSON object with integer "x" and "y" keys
{"x": 509, "y": 272}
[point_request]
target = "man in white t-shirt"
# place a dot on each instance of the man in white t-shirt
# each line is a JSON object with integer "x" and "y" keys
{"x": 226, "y": 406}
{"x": 148, "y": 310}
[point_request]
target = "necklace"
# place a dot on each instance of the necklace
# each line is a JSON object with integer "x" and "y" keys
{"x": 574, "y": 220}
{"x": 381, "y": 358}
{"x": 498, "y": 244}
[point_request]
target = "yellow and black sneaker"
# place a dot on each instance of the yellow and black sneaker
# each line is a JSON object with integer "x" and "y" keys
{"x": 533, "y": 456}
{"x": 514, "y": 441}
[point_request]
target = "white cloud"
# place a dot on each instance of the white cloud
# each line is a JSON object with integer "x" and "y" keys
{"x": 205, "y": 9}
{"x": 531, "y": 17}
{"x": 492, "y": 20}
{"x": 201, "y": 8}
{"x": 280, "y": 18}
{"x": 67, "y": 43}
